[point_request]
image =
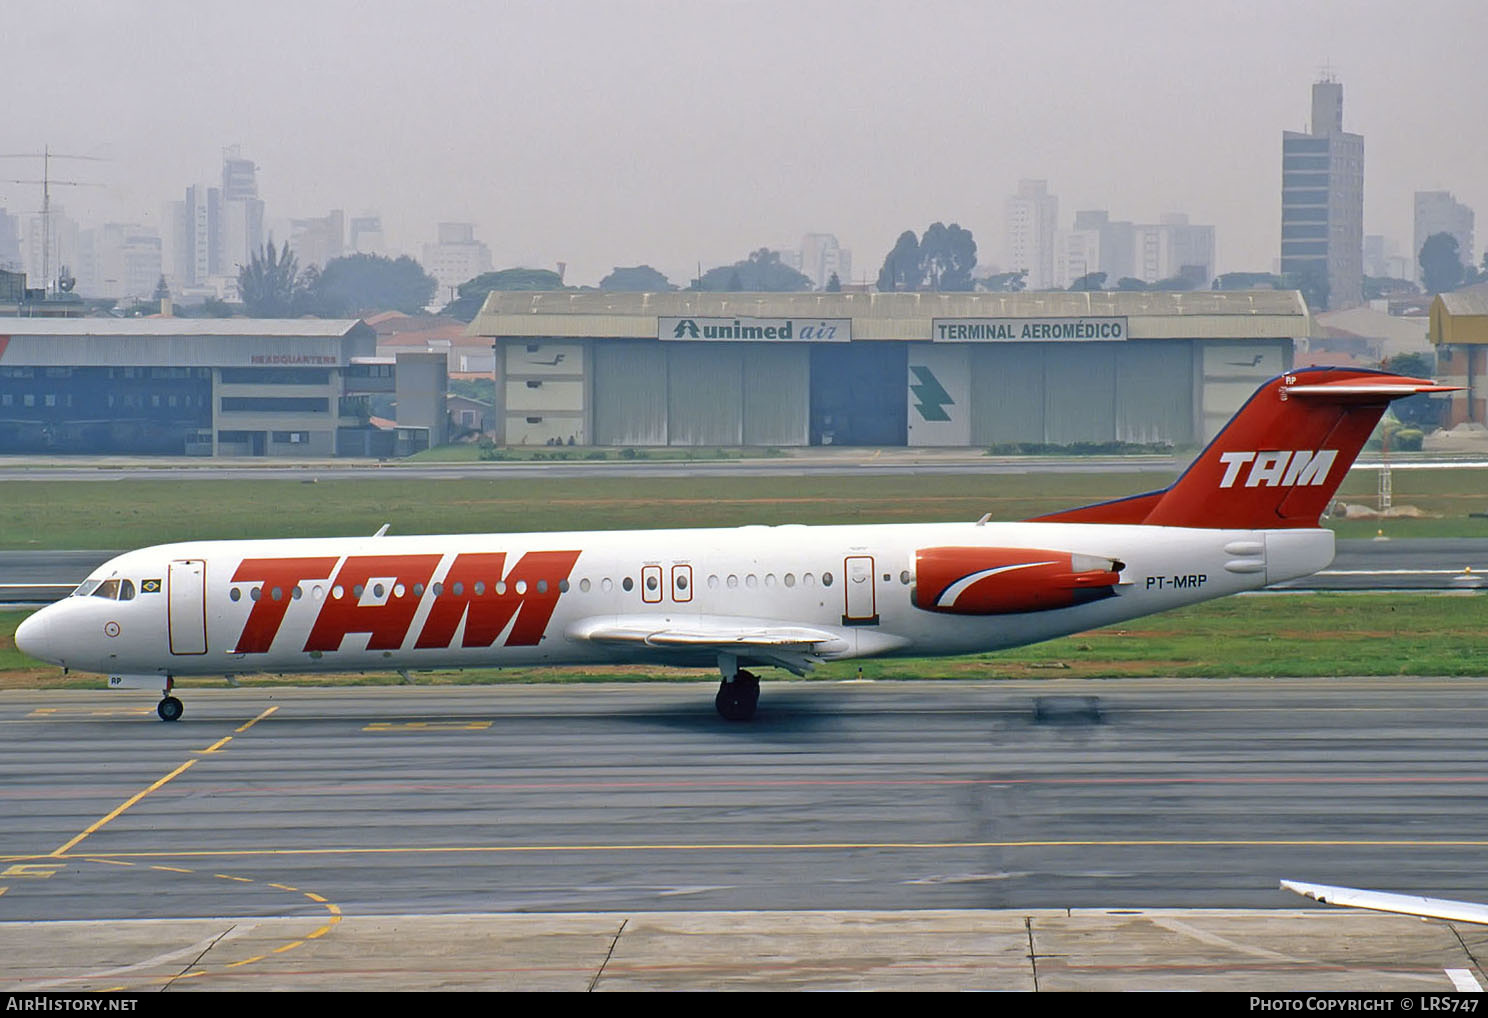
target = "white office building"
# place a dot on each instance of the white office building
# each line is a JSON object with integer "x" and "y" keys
{"x": 1439, "y": 212}
{"x": 1031, "y": 217}
{"x": 457, "y": 257}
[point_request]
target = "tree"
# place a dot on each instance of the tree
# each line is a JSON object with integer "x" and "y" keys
{"x": 1005, "y": 282}
{"x": 1312, "y": 282}
{"x": 1130, "y": 284}
{"x": 761, "y": 272}
{"x": 1090, "y": 281}
{"x": 636, "y": 279}
{"x": 1178, "y": 282}
{"x": 949, "y": 254}
{"x": 902, "y": 269}
{"x": 362, "y": 283}
{"x": 943, "y": 258}
{"x": 473, "y": 292}
{"x": 834, "y": 284}
{"x": 1441, "y": 263}
{"x": 270, "y": 282}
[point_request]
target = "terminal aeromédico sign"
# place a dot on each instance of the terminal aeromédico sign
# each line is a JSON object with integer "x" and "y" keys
{"x": 1027, "y": 330}
{"x": 756, "y": 330}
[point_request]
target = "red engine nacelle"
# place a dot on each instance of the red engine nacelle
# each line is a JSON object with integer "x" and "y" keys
{"x": 1005, "y": 581}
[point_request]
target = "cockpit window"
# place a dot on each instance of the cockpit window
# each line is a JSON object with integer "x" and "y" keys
{"x": 86, "y": 587}
{"x": 126, "y": 590}
{"x": 110, "y": 590}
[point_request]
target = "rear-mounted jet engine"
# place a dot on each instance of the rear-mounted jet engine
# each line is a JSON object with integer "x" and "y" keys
{"x": 1007, "y": 581}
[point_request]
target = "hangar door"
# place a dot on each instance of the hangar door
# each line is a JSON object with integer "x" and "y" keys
{"x": 857, "y": 393}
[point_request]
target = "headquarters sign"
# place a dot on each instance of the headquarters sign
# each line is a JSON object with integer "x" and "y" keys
{"x": 756, "y": 330}
{"x": 1027, "y": 330}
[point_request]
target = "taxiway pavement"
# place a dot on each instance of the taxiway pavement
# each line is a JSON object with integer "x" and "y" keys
{"x": 1077, "y": 832}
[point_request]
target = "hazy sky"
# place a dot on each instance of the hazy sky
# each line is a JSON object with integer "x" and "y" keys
{"x": 660, "y": 132}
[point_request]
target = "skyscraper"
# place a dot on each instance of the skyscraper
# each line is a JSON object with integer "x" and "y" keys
{"x": 10, "y": 242}
{"x": 366, "y": 234}
{"x": 318, "y": 240}
{"x": 821, "y": 258}
{"x": 1322, "y": 204}
{"x": 1031, "y": 215}
{"x": 242, "y": 230}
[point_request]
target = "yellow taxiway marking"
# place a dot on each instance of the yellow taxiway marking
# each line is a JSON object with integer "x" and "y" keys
{"x": 333, "y": 912}
{"x": 427, "y": 726}
{"x": 89, "y": 712}
{"x": 250, "y": 724}
{"x": 119, "y": 810}
{"x": 245, "y": 961}
{"x": 37, "y": 871}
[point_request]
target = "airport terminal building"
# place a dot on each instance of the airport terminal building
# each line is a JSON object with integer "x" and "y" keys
{"x": 884, "y": 369}
{"x": 188, "y": 386}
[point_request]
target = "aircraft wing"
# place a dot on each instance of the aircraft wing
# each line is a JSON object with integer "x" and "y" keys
{"x": 795, "y": 648}
{"x": 1384, "y": 901}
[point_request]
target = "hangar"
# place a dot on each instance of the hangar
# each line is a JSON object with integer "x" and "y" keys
{"x": 882, "y": 369}
{"x": 1459, "y": 328}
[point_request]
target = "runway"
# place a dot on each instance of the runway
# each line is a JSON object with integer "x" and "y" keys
{"x": 40, "y": 577}
{"x": 893, "y": 800}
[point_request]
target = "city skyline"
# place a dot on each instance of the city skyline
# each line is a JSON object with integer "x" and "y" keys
{"x": 603, "y": 135}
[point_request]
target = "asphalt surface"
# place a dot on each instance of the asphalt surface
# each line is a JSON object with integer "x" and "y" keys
{"x": 39, "y": 577}
{"x": 1054, "y": 835}
{"x": 839, "y": 796}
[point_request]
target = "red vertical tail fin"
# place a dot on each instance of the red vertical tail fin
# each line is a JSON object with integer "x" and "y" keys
{"x": 1279, "y": 460}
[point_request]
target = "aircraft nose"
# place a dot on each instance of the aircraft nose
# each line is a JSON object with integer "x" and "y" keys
{"x": 32, "y": 637}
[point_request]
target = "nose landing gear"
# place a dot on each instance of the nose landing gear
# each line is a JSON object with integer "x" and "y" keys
{"x": 169, "y": 708}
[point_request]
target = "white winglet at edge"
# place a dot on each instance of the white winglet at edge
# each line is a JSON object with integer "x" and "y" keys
{"x": 1384, "y": 901}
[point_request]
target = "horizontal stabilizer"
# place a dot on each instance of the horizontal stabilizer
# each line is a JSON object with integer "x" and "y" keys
{"x": 1384, "y": 901}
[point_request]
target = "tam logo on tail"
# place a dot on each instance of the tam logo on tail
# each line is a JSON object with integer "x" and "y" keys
{"x": 1331, "y": 411}
{"x": 1287, "y": 468}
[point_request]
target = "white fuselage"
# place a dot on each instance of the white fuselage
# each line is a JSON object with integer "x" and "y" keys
{"x": 384, "y": 603}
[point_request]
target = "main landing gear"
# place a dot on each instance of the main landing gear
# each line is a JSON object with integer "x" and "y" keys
{"x": 169, "y": 708}
{"x": 738, "y": 696}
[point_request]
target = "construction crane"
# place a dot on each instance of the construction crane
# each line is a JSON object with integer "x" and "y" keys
{"x": 46, "y": 155}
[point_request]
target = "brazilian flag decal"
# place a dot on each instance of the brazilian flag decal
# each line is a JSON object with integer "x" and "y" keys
{"x": 149, "y": 586}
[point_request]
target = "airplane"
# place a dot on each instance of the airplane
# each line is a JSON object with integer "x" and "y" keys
{"x": 1246, "y": 513}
